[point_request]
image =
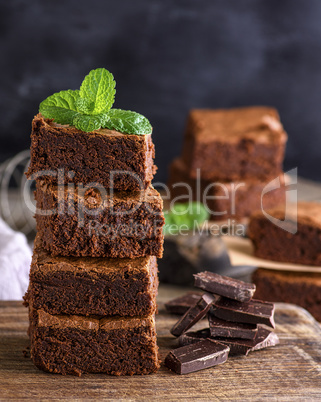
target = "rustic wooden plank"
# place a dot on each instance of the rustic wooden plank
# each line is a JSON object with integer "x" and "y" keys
{"x": 290, "y": 371}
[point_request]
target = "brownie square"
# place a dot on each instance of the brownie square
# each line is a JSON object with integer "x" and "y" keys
{"x": 225, "y": 200}
{"x": 234, "y": 144}
{"x": 74, "y": 222}
{"x": 279, "y": 244}
{"x": 301, "y": 288}
{"x": 75, "y": 345}
{"x": 92, "y": 286}
{"x": 91, "y": 157}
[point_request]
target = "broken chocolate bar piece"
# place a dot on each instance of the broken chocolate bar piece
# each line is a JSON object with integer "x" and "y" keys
{"x": 193, "y": 315}
{"x": 191, "y": 337}
{"x": 183, "y": 303}
{"x": 230, "y": 329}
{"x": 264, "y": 339}
{"x": 253, "y": 312}
{"x": 225, "y": 286}
{"x": 204, "y": 354}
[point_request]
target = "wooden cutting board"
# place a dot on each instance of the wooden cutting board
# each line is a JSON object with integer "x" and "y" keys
{"x": 289, "y": 371}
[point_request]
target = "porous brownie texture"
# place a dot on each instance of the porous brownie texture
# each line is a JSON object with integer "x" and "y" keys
{"x": 232, "y": 144}
{"x": 277, "y": 243}
{"x": 76, "y": 345}
{"x": 225, "y": 200}
{"x": 90, "y": 157}
{"x": 79, "y": 223}
{"x": 301, "y": 288}
{"x": 92, "y": 286}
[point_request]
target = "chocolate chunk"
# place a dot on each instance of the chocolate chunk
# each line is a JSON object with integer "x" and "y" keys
{"x": 181, "y": 304}
{"x": 203, "y": 354}
{"x": 191, "y": 337}
{"x": 253, "y": 312}
{"x": 264, "y": 339}
{"x": 194, "y": 314}
{"x": 225, "y": 286}
{"x": 230, "y": 329}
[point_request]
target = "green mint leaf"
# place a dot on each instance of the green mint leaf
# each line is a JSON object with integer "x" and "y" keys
{"x": 127, "y": 122}
{"x": 87, "y": 123}
{"x": 84, "y": 106}
{"x": 185, "y": 216}
{"x": 89, "y": 108}
{"x": 98, "y": 87}
{"x": 60, "y": 106}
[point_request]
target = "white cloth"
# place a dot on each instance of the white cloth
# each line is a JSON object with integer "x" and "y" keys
{"x": 15, "y": 259}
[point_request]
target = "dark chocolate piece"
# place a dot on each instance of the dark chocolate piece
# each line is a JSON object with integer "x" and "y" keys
{"x": 191, "y": 337}
{"x": 225, "y": 286}
{"x": 193, "y": 315}
{"x": 253, "y": 312}
{"x": 264, "y": 339}
{"x": 181, "y": 304}
{"x": 230, "y": 329}
{"x": 190, "y": 358}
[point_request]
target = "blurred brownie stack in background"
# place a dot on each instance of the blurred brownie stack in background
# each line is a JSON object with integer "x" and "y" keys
{"x": 228, "y": 159}
{"x": 93, "y": 279}
{"x": 295, "y": 240}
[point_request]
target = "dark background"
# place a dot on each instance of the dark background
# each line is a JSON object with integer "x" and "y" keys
{"x": 167, "y": 57}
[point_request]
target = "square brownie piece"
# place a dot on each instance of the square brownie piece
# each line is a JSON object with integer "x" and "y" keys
{"x": 234, "y": 144}
{"x": 282, "y": 244}
{"x": 301, "y": 288}
{"x": 92, "y": 286}
{"x": 225, "y": 200}
{"x": 91, "y": 157}
{"x": 75, "y": 345}
{"x": 79, "y": 223}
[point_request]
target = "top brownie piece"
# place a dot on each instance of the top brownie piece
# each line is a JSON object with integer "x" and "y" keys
{"x": 91, "y": 157}
{"x": 234, "y": 144}
{"x": 296, "y": 240}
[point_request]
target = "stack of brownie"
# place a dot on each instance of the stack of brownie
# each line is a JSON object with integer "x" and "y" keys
{"x": 93, "y": 279}
{"x": 228, "y": 158}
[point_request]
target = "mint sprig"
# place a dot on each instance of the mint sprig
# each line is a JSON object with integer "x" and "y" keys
{"x": 90, "y": 108}
{"x": 60, "y": 106}
{"x": 185, "y": 216}
{"x": 126, "y": 121}
{"x": 98, "y": 88}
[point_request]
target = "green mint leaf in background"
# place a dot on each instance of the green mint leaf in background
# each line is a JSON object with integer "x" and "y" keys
{"x": 60, "y": 106}
{"x": 87, "y": 123}
{"x": 98, "y": 87}
{"x": 185, "y": 216}
{"x": 127, "y": 122}
{"x": 199, "y": 213}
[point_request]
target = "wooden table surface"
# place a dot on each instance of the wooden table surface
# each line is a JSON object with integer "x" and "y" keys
{"x": 289, "y": 371}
